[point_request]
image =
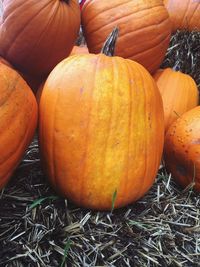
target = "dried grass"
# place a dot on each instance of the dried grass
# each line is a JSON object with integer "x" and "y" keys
{"x": 184, "y": 54}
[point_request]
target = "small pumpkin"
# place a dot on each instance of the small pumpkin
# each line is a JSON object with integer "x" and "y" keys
{"x": 184, "y": 14}
{"x": 41, "y": 37}
{"x": 179, "y": 93}
{"x": 18, "y": 117}
{"x": 144, "y": 29}
{"x": 101, "y": 130}
{"x": 182, "y": 149}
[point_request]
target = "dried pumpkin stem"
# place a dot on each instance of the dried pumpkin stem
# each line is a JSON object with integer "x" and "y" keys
{"x": 109, "y": 45}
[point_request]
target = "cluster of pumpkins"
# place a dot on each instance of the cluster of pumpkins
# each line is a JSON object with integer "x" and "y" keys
{"x": 104, "y": 120}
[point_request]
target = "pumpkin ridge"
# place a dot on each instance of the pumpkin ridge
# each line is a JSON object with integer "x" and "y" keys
{"x": 185, "y": 13}
{"x": 116, "y": 21}
{"x": 135, "y": 31}
{"x": 105, "y": 10}
{"x": 129, "y": 136}
{"x": 82, "y": 182}
{"x": 110, "y": 119}
{"x": 20, "y": 32}
{"x": 145, "y": 162}
{"x": 2, "y": 101}
{"x": 11, "y": 14}
{"x": 146, "y": 27}
{"x": 20, "y": 142}
{"x": 48, "y": 24}
{"x": 147, "y": 50}
{"x": 194, "y": 11}
{"x": 14, "y": 118}
{"x": 37, "y": 41}
{"x": 54, "y": 178}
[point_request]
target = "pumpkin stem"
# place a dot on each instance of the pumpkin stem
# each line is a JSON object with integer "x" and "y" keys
{"x": 109, "y": 45}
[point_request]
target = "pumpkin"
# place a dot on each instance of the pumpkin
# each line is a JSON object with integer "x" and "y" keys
{"x": 144, "y": 29}
{"x": 101, "y": 130}
{"x": 179, "y": 93}
{"x": 18, "y": 116}
{"x": 184, "y": 14}
{"x": 182, "y": 149}
{"x": 79, "y": 50}
{"x": 41, "y": 37}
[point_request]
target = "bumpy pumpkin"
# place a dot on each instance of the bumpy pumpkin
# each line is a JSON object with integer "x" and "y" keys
{"x": 101, "y": 130}
{"x": 36, "y": 35}
{"x": 182, "y": 148}
{"x": 184, "y": 14}
{"x": 179, "y": 93}
{"x": 144, "y": 28}
{"x": 18, "y": 119}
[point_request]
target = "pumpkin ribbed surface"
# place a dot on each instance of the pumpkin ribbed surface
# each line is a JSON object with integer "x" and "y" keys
{"x": 18, "y": 117}
{"x": 184, "y": 14}
{"x": 103, "y": 133}
{"x": 182, "y": 148}
{"x": 144, "y": 28}
{"x": 179, "y": 93}
{"x": 36, "y": 35}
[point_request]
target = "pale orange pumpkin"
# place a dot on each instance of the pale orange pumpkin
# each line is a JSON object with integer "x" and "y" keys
{"x": 101, "y": 130}
{"x": 179, "y": 93}
{"x": 144, "y": 28}
{"x": 36, "y": 35}
{"x": 182, "y": 149}
{"x": 184, "y": 14}
{"x": 18, "y": 120}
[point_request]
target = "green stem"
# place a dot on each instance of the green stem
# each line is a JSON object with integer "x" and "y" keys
{"x": 109, "y": 45}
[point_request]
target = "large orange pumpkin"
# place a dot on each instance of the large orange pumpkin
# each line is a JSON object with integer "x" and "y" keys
{"x": 36, "y": 35}
{"x": 184, "y": 14}
{"x": 182, "y": 148}
{"x": 101, "y": 130}
{"x": 179, "y": 93}
{"x": 18, "y": 119}
{"x": 144, "y": 28}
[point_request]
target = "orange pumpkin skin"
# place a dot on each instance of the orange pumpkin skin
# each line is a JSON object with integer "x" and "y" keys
{"x": 18, "y": 116}
{"x": 79, "y": 50}
{"x": 182, "y": 148}
{"x": 184, "y": 14}
{"x": 142, "y": 40}
{"x": 103, "y": 133}
{"x": 179, "y": 93}
{"x": 42, "y": 37}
